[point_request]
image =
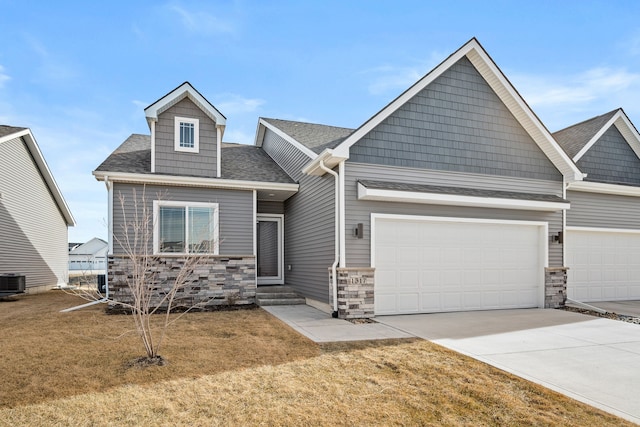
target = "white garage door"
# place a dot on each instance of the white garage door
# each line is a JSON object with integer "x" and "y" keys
{"x": 604, "y": 265}
{"x": 428, "y": 265}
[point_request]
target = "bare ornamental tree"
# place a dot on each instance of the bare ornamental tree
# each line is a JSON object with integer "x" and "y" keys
{"x": 150, "y": 299}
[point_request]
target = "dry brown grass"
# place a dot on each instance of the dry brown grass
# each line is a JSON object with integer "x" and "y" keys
{"x": 247, "y": 368}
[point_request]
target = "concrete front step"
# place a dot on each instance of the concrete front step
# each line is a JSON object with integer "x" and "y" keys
{"x": 277, "y": 295}
{"x": 263, "y": 302}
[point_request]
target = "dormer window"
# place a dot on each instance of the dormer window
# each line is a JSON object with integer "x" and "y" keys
{"x": 187, "y": 134}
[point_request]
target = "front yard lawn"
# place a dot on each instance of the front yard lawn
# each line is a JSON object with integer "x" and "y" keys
{"x": 248, "y": 368}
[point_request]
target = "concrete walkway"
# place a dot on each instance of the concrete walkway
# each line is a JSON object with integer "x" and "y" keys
{"x": 626, "y": 308}
{"x": 593, "y": 360}
{"x": 321, "y": 327}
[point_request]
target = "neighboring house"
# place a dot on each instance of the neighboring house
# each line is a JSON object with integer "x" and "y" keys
{"x": 603, "y": 224}
{"x": 450, "y": 198}
{"x": 34, "y": 217}
{"x": 89, "y": 256}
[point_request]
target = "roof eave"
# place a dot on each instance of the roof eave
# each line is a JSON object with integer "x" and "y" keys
{"x": 328, "y": 157}
{"x": 157, "y": 179}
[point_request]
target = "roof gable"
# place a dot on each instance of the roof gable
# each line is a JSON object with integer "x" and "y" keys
{"x": 578, "y": 139}
{"x": 8, "y": 133}
{"x": 91, "y": 247}
{"x": 457, "y": 123}
{"x": 508, "y": 95}
{"x": 611, "y": 160}
{"x": 185, "y": 90}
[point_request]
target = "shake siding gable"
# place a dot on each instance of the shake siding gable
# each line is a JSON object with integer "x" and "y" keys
{"x": 309, "y": 222}
{"x": 33, "y": 231}
{"x": 235, "y": 230}
{"x": 611, "y": 160}
{"x": 171, "y": 162}
{"x": 457, "y": 123}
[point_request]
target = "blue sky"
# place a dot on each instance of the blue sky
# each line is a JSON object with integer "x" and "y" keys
{"x": 79, "y": 74}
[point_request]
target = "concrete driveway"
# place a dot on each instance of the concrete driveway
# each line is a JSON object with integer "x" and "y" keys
{"x": 593, "y": 360}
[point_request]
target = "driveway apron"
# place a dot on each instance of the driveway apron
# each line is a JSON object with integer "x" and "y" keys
{"x": 593, "y": 360}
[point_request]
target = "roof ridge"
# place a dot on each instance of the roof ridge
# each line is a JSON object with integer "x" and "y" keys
{"x": 307, "y": 123}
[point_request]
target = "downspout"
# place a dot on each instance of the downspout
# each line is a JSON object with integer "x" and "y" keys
{"x": 334, "y": 274}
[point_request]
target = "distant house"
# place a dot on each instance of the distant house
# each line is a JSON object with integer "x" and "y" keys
{"x": 453, "y": 197}
{"x": 89, "y": 256}
{"x": 34, "y": 216}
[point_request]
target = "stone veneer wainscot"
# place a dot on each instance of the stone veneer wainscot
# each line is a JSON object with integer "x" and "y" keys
{"x": 217, "y": 280}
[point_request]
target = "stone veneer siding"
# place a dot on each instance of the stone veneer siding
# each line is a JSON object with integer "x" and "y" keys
{"x": 355, "y": 292}
{"x": 217, "y": 280}
{"x": 555, "y": 287}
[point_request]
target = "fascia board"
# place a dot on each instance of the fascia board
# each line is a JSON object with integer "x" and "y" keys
{"x": 288, "y": 138}
{"x": 41, "y": 163}
{"x": 629, "y": 132}
{"x": 365, "y": 193}
{"x": 193, "y": 181}
{"x": 602, "y": 188}
{"x": 596, "y": 137}
{"x": 260, "y": 131}
{"x": 153, "y": 110}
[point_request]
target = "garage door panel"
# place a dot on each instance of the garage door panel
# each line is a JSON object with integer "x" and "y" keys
{"x": 603, "y": 264}
{"x": 460, "y": 266}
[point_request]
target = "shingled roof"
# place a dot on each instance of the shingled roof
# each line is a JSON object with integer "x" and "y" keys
{"x": 239, "y": 161}
{"x": 8, "y": 130}
{"x": 574, "y": 138}
{"x": 314, "y": 136}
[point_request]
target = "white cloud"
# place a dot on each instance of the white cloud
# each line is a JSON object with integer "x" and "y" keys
{"x": 582, "y": 88}
{"x": 201, "y": 22}
{"x": 235, "y": 104}
{"x": 4, "y": 78}
{"x": 386, "y": 79}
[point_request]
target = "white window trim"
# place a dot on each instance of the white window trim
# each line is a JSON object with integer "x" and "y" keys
{"x": 196, "y": 134}
{"x": 156, "y": 225}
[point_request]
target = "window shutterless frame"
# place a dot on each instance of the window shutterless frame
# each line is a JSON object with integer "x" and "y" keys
{"x": 187, "y": 206}
{"x": 187, "y": 134}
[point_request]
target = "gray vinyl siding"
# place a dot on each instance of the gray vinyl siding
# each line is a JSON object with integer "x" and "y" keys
{"x": 33, "y": 232}
{"x": 235, "y": 210}
{"x": 611, "y": 160}
{"x": 268, "y": 207}
{"x": 172, "y": 162}
{"x": 358, "y": 251}
{"x": 457, "y": 123}
{"x": 309, "y": 222}
{"x": 603, "y": 210}
{"x": 288, "y": 157}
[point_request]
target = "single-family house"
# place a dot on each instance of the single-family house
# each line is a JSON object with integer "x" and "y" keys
{"x": 452, "y": 197}
{"x": 602, "y": 241}
{"x": 90, "y": 256}
{"x": 34, "y": 217}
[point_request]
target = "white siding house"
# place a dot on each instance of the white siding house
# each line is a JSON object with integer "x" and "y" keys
{"x": 34, "y": 216}
{"x": 89, "y": 256}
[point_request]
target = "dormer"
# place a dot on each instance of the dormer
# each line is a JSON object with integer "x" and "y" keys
{"x": 186, "y": 134}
